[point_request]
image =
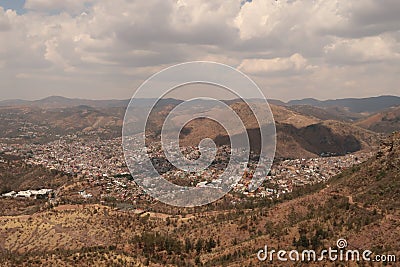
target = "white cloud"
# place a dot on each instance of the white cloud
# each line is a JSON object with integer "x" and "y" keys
{"x": 4, "y": 19}
{"x": 264, "y": 18}
{"x": 294, "y": 63}
{"x": 271, "y": 18}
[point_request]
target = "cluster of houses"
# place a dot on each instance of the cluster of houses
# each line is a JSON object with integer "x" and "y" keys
{"x": 34, "y": 194}
{"x": 102, "y": 164}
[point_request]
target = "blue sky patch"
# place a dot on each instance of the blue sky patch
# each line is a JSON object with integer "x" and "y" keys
{"x": 17, "y": 5}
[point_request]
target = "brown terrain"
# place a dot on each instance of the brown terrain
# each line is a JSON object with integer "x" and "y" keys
{"x": 298, "y": 135}
{"x": 360, "y": 205}
{"x": 302, "y": 131}
{"x": 387, "y": 121}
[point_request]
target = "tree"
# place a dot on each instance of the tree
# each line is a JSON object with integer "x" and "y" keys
{"x": 199, "y": 245}
{"x": 188, "y": 245}
{"x": 210, "y": 244}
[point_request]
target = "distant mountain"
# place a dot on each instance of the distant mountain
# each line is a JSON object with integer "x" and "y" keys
{"x": 328, "y": 113}
{"x": 306, "y": 101}
{"x": 13, "y": 102}
{"x": 276, "y": 102}
{"x": 357, "y": 105}
{"x": 63, "y": 102}
{"x": 55, "y": 102}
{"x": 58, "y": 102}
{"x": 341, "y": 108}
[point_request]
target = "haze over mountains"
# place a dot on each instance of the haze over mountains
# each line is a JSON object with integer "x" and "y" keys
{"x": 356, "y": 105}
{"x": 62, "y": 102}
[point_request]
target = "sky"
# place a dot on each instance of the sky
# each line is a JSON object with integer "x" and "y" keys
{"x": 104, "y": 49}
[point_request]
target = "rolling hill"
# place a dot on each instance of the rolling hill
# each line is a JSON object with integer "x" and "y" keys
{"x": 386, "y": 121}
{"x": 299, "y": 133}
{"x": 327, "y": 113}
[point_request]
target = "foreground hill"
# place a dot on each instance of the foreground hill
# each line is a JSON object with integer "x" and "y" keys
{"x": 361, "y": 205}
{"x": 376, "y": 183}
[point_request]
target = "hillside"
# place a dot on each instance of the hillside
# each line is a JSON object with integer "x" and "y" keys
{"x": 376, "y": 183}
{"x": 15, "y": 175}
{"x": 360, "y": 205}
{"x": 325, "y": 137}
{"x": 299, "y": 134}
{"x": 386, "y": 121}
{"x": 33, "y": 124}
{"x": 327, "y": 113}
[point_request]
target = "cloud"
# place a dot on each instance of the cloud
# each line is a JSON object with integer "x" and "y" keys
{"x": 294, "y": 63}
{"x": 364, "y": 50}
{"x": 333, "y": 17}
{"x": 284, "y": 18}
{"x": 112, "y": 44}
{"x": 4, "y": 20}
{"x": 371, "y": 18}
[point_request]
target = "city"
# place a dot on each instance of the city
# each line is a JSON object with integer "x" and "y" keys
{"x": 101, "y": 164}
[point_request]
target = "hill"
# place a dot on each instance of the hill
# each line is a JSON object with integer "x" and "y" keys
{"x": 327, "y": 113}
{"x": 15, "y": 175}
{"x": 63, "y": 102}
{"x": 37, "y": 125}
{"x": 376, "y": 183}
{"x": 298, "y": 135}
{"x": 360, "y": 205}
{"x": 356, "y": 105}
{"x": 386, "y": 121}
{"x": 329, "y": 137}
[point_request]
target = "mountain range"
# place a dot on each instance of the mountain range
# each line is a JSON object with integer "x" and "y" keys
{"x": 305, "y": 128}
{"x": 356, "y": 105}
